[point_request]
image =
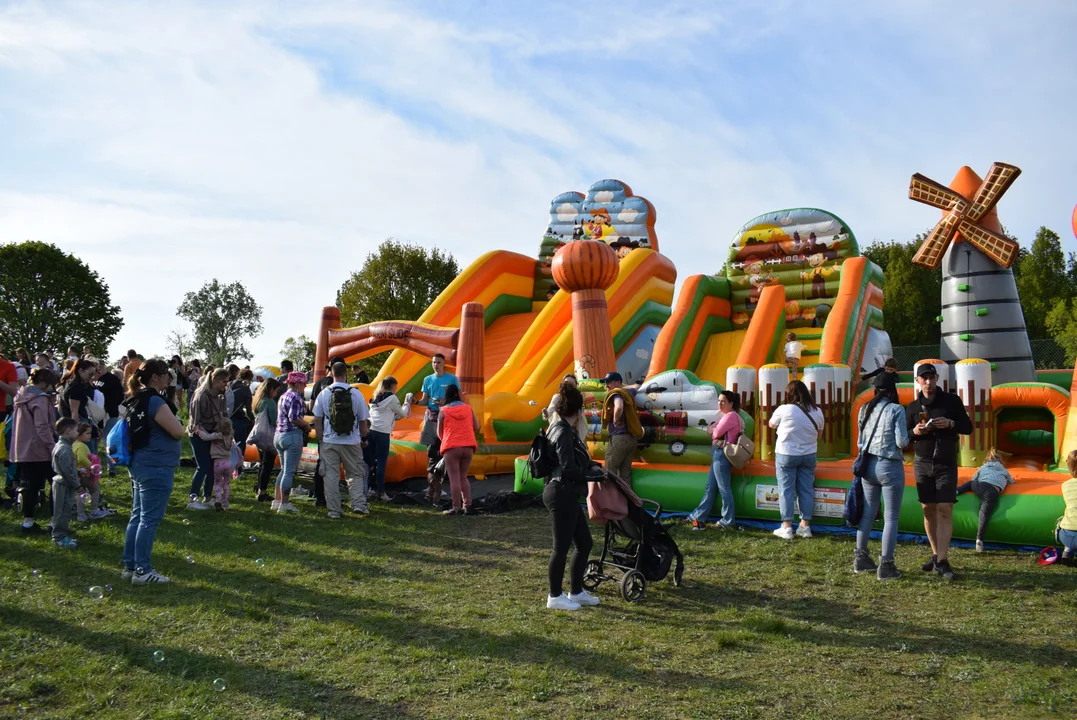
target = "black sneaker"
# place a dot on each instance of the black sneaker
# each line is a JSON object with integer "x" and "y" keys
{"x": 863, "y": 563}
{"x": 34, "y": 529}
{"x": 929, "y": 565}
{"x": 265, "y": 497}
{"x": 888, "y": 571}
{"x": 943, "y": 568}
{"x": 1067, "y": 558}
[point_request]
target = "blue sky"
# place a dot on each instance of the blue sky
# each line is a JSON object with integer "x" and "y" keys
{"x": 278, "y": 144}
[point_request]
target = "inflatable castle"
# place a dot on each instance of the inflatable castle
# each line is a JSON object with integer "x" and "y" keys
{"x": 598, "y": 296}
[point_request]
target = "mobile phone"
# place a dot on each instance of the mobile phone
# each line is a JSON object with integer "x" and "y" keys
{"x": 923, "y": 416}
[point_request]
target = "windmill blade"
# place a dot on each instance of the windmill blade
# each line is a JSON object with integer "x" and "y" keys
{"x": 998, "y": 180}
{"x": 925, "y": 190}
{"x": 999, "y": 248}
{"x": 930, "y": 253}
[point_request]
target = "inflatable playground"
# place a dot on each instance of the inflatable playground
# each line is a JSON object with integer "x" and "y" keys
{"x": 598, "y": 295}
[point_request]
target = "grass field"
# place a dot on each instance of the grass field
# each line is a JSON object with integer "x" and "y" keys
{"x": 406, "y": 614}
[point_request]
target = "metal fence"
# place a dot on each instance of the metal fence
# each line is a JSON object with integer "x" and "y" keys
{"x": 1047, "y": 354}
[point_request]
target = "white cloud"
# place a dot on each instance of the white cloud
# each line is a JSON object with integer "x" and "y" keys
{"x": 603, "y": 196}
{"x": 566, "y": 212}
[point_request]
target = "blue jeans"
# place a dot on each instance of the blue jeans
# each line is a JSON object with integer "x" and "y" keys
{"x": 720, "y": 480}
{"x": 883, "y": 479}
{"x": 796, "y": 478}
{"x": 1068, "y": 538}
{"x": 202, "y": 484}
{"x": 290, "y": 448}
{"x": 109, "y": 424}
{"x": 379, "y": 445}
{"x": 150, "y": 488}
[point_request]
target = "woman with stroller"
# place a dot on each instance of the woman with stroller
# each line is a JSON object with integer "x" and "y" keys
{"x": 883, "y": 434}
{"x": 565, "y": 489}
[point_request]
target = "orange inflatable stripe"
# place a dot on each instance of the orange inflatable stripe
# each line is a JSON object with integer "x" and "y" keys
{"x": 664, "y": 345}
{"x": 710, "y": 307}
{"x": 832, "y": 348}
{"x": 502, "y": 263}
{"x": 1035, "y": 397}
{"x": 760, "y": 335}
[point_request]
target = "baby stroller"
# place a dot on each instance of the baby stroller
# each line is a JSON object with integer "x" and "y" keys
{"x": 639, "y": 546}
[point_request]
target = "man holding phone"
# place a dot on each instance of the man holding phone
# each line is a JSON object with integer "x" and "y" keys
{"x": 935, "y": 419}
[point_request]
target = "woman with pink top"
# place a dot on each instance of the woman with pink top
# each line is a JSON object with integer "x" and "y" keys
{"x": 720, "y": 479}
{"x": 457, "y": 430}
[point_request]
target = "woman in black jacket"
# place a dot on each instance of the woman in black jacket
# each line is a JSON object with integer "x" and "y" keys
{"x": 563, "y": 493}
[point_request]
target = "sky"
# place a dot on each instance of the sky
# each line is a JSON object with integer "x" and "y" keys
{"x": 277, "y": 144}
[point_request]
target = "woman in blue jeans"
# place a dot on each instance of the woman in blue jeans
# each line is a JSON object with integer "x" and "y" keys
{"x": 153, "y": 467}
{"x": 290, "y": 438}
{"x": 720, "y": 478}
{"x": 207, "y": 409}
{"x": 883, "y": 434}
{"x": 385, "y": 410}
{"x": 798, "y": 423}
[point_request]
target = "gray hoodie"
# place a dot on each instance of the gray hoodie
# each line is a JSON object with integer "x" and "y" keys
{"x": 64, "y": 465}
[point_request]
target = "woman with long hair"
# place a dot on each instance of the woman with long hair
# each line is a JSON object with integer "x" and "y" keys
{"x": 385, "y": 410}
{"x": 242, "y": 408}
{"x": 798, "y": 423}
{"x": 564, "y": 491}
{"x": 207, "y": 410}
{"x": 32, "y": 440}
{"x": 153, "y": 469}
{"x": 720, "y": 478}
{"x": 549, "y": 413}
{"x": 457, "y": 430}
{"x": 291, "y": 435}
{"x": 265, "y": 402}
{"x": 883, "y": 436}
{"x": 77, "y": 391}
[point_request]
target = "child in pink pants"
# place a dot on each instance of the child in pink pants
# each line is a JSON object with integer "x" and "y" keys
{"x": 220, "y": 451}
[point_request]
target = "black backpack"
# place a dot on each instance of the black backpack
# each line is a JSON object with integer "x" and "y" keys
{"x": 542, "y": 459}
{"x": 138, "y": 417}
{"x": 341, "y": 413}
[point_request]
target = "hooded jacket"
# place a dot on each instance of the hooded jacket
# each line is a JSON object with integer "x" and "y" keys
{"x": 32, "y": 435}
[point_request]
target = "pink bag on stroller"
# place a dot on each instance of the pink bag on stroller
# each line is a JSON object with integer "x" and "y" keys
{"x": 608, "y": 500}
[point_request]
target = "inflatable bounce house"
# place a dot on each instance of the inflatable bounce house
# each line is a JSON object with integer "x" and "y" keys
{"x": 598, "y": 296}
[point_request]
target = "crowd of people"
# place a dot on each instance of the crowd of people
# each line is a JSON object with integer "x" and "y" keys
{"x": 57, "y": 420}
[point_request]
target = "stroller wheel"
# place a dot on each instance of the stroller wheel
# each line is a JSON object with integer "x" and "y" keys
{"x": 633, "y": 585}
{"x": 592, "y": 576}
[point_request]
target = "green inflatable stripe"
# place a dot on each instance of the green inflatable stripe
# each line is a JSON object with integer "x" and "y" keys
{"x": 649, "y": 313}
{"x": 505, "y": 305}
{"x": 709, "y": 286}
{"x": 513, "y": 431}
{"x": 1032, "y": 438}
{"x": 1061, "y": 378}
{"x": 711, "y": 326}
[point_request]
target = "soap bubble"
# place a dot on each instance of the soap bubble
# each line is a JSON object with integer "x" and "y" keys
{"x": 35, "y": 574}
{"x": 85, "y": 498}
{"x": 252, "y": 538}
{"x": 219, "y": 684}
{"x": 186, "y": 521}
{"x": 190, "y": 559}
{"x": 108, "y": 588}
{"x": 158, "y": 656}
{"x": 259, "y": 563}
{"x": 97, "y": 592}
{"x": 532, "y": 403}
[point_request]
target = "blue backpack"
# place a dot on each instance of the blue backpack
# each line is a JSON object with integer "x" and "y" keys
{"x": 133, "y": 430}
{"x": 118, "y": 443}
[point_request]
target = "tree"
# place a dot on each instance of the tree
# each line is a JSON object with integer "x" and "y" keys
{"x": 1061, "y": 325}
{"x": 300, "y": 351}
{"x": 50, "y": 300}
{"x": 1042, "y": 281}
{"x": 222, "y": 316}
{"x": 179, "y": 343}
{"x": 912, "y": 295}
{"x": 398, "y": 281}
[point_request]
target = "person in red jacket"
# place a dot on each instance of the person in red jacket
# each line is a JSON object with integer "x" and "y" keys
{"x": 457, "y": 429}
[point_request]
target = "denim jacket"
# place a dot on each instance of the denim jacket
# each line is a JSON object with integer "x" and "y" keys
{"x": 890, "y": 436}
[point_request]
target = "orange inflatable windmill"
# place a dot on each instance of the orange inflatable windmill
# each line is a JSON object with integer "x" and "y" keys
{"x": 965, "y": 217}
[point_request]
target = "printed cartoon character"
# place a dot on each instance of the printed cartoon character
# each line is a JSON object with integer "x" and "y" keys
{"x": 758, "y": 276}
{"x": 740, "y": 318}
{"x": 585, "y": 368}
{"x": 600, "y": 226}
{"x": 818, "y": 274}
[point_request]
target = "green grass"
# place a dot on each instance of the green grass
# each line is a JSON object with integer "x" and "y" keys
{"x": 405, "y": 614}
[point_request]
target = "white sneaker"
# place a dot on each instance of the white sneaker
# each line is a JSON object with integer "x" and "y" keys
{"x": 127, "y": 574}
{"x": 803, "y": 531}
{"x": 979, "y": 546}
{"x": 785, "y": 533}
{"x": 300, "y": 491}
{"x": 561, "y": 602}
{"x": 274, "y": 506}
{"x": 287, "y": 507}
{"x": 584, "y": 598}
{"x": 333, "y": 515}
{"x": 196, "y": 505}
{"x": 151, "y": 577}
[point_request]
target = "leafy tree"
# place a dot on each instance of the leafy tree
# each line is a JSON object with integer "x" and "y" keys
{"x": 913, "y": 295}
{"x": 49, "y": 299}
{"x": 300, "y": 351}
{"x": 179, "y": 343}
{"x": 1042, "y": 281}
{"x": 1061, "y": 325}
{"x": 398, "y": 281}
{"x": 222, "y": 316}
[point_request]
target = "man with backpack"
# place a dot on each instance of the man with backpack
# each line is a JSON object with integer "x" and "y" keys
{"x": 341, "y": 424}
{"x": 322, "y": 384}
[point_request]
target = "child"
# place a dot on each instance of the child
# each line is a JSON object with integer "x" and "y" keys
{"x": 1067, "y": 524}
{"x": 987, "y": 484}
{"x": 889, "y": 366}
{"x": 220, "y": 451}
{"x": 89, "y": 471}
{"x": 65, "y": 483}
{"x": 793, "y": 348}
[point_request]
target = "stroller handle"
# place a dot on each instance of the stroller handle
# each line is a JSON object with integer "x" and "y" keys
{"x": 657, "y": 507}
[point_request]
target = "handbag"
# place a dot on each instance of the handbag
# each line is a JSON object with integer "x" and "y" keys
{"x": 261, "y": 435}
{"x": 860, "y": 462}
{"x": 605, "y": 502}
{"x": 739, "y": 453}
{"x": 854, "y": 503}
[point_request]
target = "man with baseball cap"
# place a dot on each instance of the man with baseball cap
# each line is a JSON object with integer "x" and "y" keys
{"x": 620, "y": 418}
{"x": 935, "y": 419}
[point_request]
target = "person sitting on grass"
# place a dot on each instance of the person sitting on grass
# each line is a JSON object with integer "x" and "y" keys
{"x": 65, "y": 483}
{"x": 220, "y": 450}
{"x": 987, "y": 484}
{"x": 1067, "y": 524}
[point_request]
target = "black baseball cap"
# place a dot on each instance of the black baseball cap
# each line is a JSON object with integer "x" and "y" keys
{"x": 885, "y": 381}
{"x": 926, "y": 369}
{"x": 613, "y": 376}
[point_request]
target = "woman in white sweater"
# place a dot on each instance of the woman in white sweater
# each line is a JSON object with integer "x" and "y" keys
{"x": 549, "y": 413}
{"x": 385, "y": 409}
{"x": 798, "y": 423}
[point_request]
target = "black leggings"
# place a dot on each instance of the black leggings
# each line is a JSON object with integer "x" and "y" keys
{"x": 33, "y": 477}
{"x": 569, "y": 527}
{"x": 265, "y": 469}
{"x": 988, "y": 495}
